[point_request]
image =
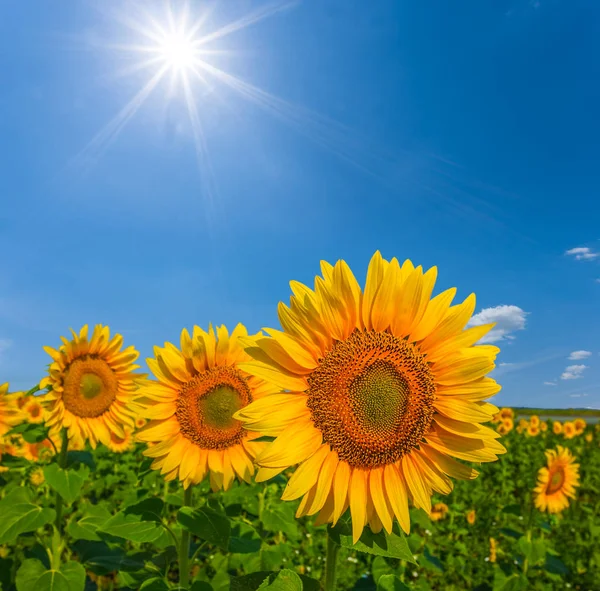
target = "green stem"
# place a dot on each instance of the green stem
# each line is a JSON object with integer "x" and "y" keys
{"x": 62, "y": 461}
{"x": 184, "y": 548}
{"x": 330, "y": 564}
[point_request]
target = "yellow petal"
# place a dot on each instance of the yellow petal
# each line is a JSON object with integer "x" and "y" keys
{"x": 341, "y": 482}
{"x": 435, "y": 311}
{"x": 306, "y": 475}
{"x": 384, "y": 302}
{"x": 396, "y": 492}
{"x": 378, "y": 495}
{"x": 416, "y": 485}
{"x": 374, "y": 278}
{"x": 324, "y": 482}
{"x": 358, "y": 502}
{"x": 292, "y": 447}
{"x": 275, "y": 375}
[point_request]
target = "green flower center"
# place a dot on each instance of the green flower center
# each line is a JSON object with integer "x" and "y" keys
{"x": 217, "y": 407}
{"x": 91, "y": 386}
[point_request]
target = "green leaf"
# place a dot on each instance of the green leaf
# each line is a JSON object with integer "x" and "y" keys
{"x": 131, "y": 527}
{"x": 281, "y": 518}
{"x": 533, "y": 550}
{"x": 85, "y": 527}
{"x": 286, "y": 580}
{"x": 514, "y": 583}
{"x": 257, "y": 580}
{"x": 75, "y": 575}
{"x": 391, "y": 583}
{"x": 147, "y": 509}
{"x": 102, "y": 559}
{"x": 67, "y": 483}
{"x": 433, "y": 560}
{"x": 33, "y": 576}
{"x": 18, "y": 515}
{"x": 75, "y": 458}
{"x": 555, "y": 565}
{"x": 513, "y": 510}
{"x": 208, "y": 525}
{"x": 154, "y": 584}
{"x": 392, "y": 545}
{"x": 29, "y": 572}
{"x": 244, "y": 539}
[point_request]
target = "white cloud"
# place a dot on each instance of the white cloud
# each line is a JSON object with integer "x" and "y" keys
{"x": 550, "y": 384}
{"x": 582, "y": 253}
{"x": 507, "y": 318}
{"x": 577, "y": 355}
{"x": 573, "y": 372}
{"x": 577, "y": 395}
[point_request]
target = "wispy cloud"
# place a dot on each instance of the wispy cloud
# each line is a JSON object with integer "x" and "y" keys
{"x": 550, "y": 384}
{"x": 582, "y": 253}
{"x": 578, "y": 355}
{"x": 508, "y": 319}
{"x": 4, "y": 345}
{"x": 578, "y": 395}
{"x": 504, "y": 368}
{"x": 573, "y": 372}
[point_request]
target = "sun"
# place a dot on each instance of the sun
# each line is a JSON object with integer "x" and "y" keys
{"x": 178, "y": 52}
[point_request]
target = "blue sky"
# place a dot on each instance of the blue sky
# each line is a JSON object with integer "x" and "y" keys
{"x": 462, "y": 135}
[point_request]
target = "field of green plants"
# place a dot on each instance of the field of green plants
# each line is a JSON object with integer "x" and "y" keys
{"x": 104, "y": 520}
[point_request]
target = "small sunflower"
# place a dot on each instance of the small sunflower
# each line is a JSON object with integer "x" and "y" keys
{"x": 37, "y": 478}
{"x": 493, "y": 549}
{"x": 119, "y": 444}
{"x": 471, "y": 516}
{"x": 557, "y": 427}
{"x": 10, "y": 415}
{"x": 438, "y": 511}
{"x": 533, "y": 430}
{"x": 522, "y": 426}
{"x": 557, "y": 481}
{"x": 191, "y": 405}
{"x": 92, "y": 386}
{"x": 589, "y": 437}
{"x": 507, "y": 413}
{"x": 569, "y": 430}
{"x": 543, "y": 426}
{"x": 140, "y": 422}
{"x": 579, "y": 425}
{"x": 33, "y": 410}
{"x": 505, "y": 426}
{"x": 534, "y": 420}
{"x": 379, "y": 391}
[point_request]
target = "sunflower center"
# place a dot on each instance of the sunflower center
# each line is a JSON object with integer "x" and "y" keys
{"x": 116, "y": 439}
{"x": 372, "y": 398}
{"x": 556, "y": 480}
{"x": 206, "y": 405}
{"x": 89, "y": 387}
{"x": 35, "y": 411}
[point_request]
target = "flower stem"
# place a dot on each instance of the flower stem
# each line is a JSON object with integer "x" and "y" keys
{"x": 330, "y": 564}
{"x": 62, "y": 461}
{"x": 184, "y": 547}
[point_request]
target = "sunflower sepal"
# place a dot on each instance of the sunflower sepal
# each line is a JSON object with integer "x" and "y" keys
{"x": 392, "y": 545}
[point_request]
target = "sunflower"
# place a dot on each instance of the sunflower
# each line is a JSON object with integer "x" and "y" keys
{"x": 534, "y": 420}
{"x": 579, "y": 425}
{"x": 120, "y": 445}
{"x": 37, "y": 478}
{"x": 191, "y": 405}
{"x": 33, "y": 410}
{"x": 522, "y": 426}
{"x": 92, "y": 385}
{"x": 438, "y": 511}
{"x": 533, "y": 430}
{"x": 379, "y": 391}
{"x": 557, "y": 481}
{"x": 471, "y": 516}
{"x": 10, "y": 415}
{"x": 493, "y": 548}
{"x": 589, "y": 437}
{"x": 140, "y": 422}
{"x": 507, "y": 413}
{"x": 543, "y": 426}
{"x": 569, "y": 430}
{"x": 557, "y": 427}
{"x": 506, "y": 426}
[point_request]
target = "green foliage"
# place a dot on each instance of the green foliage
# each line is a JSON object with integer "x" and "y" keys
{"x": 66, "y": 482}
{"x": 19, "y": 515}
{"x": 33, "y": 576}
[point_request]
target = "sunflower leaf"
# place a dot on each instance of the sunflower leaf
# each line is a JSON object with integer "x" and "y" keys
{"x": 85, "y": 527}
{"x": 67, "y": 483}
{"x": 207, "y": 524}
{"x": 33, "y": 576}
{"x": 390, "y": 583}
{"x": 392, "y": 545}
{"x": 19, "y": 515}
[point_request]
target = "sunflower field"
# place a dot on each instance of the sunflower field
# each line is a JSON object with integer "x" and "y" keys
{"x": 353, "y": 449}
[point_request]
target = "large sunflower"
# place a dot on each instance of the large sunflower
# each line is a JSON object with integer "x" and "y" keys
{"x": 10, "y": 415}
{"x": 382, "y": 389}
{"x": 557, "y": 481}
{"x": 191, "y": 405}
{"x": 92, "y": 384}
